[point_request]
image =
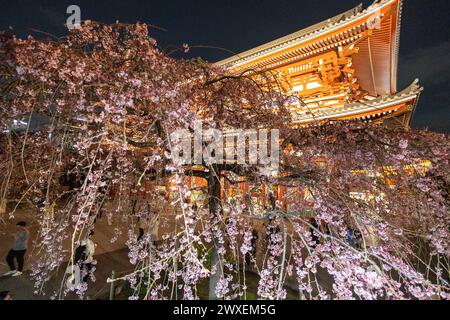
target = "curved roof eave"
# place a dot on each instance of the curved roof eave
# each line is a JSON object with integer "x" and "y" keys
{"x": 305, "y": 34}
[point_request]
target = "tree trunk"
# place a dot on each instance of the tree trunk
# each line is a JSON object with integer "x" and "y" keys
{"x": 214, "y": 207}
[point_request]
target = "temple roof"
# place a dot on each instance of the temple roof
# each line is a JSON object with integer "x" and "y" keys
{"x": 291, "y": 38}
{"x": 264, "y": 54}
{"x": 382, "y": 105}
{"x": 372, "y": 37}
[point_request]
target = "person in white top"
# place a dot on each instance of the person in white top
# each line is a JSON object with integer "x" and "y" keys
{"x": 18, "y": 250}
{"x": 155, "y": 228}
{"x": 89, "y": 254}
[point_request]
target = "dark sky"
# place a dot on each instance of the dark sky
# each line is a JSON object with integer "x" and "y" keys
{"x": 238, "y": 25}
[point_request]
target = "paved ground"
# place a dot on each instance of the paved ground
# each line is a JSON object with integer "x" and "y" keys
{"x": 110, "y": 256}
{"x": 21, "y": 287}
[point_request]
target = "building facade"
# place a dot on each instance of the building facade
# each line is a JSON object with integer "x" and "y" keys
{"x": 342, "y": 68}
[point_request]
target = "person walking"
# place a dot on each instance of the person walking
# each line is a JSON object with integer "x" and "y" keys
{"x": 143, "y": 226}
{"x": 155, "y": 228}
{"x": 271, "y": 231}
{"x": 18, "y": 250}
{"x": 254, "y": 245}
{"x": 350, "y": 237}
{"x": 89, "y": 255}
{"x": 314, "y": 230}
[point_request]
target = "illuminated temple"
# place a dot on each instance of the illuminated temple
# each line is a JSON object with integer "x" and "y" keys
{"x": 342, "y": 68}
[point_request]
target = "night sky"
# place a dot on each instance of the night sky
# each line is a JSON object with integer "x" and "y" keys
{"x": 238, "y": 25}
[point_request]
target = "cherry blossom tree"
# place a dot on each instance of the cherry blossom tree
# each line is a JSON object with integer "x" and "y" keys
{"x": 111, "y": 99}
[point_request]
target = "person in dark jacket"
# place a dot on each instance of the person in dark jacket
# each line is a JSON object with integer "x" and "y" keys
{"x": 314, "y": 236}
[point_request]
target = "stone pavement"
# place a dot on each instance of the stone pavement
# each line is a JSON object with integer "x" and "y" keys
{"x": 110, "y": 256}
{"x": 21, "y": 288}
